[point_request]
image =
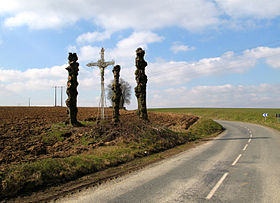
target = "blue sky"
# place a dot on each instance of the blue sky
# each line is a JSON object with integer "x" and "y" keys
{"x": 200, "y": 53}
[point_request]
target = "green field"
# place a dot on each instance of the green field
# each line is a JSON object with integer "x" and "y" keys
{"x": 233, "y": 114}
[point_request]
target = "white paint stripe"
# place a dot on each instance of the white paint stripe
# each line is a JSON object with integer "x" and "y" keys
{"x": 245, "y": 147}
{"x": 236, "y": 160}
{"x": 249, "y": 140}
{"x": 212, "y": 192}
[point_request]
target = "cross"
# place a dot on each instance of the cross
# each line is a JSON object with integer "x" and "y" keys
{"x": 102, "y": 65}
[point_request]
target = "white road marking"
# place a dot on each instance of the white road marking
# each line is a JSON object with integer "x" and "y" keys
{"x": 236, "y": 160}
{"x": 245, "y": 147}
{"x": 212, "y": 192}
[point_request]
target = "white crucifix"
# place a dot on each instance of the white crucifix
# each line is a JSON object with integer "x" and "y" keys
{"x": 102, "y": 65}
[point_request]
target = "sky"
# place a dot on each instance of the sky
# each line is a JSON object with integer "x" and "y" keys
{"x": 200, "y": 53}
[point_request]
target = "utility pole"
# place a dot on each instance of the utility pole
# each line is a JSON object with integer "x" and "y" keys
{"x": 29, "y": 102}
{"x": 55, "y": 95}
{"x": 55, "y": 87}
{"x": 102, "y": 65}
{"x": 61, "y": 95}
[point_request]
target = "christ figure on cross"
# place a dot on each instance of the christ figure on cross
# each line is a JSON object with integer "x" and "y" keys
{"x": 102, "y": 65}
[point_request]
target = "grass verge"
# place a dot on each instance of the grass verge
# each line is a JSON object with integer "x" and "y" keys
{"x": 250, "y": 115}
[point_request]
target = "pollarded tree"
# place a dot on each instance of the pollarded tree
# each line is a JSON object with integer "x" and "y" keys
{"x": 126, "y": 92}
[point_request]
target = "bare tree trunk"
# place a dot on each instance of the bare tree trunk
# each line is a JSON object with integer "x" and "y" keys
{"x": 117, "y": 93}
{"x": 141, "y": 79}
{"x": 71, "y": 91}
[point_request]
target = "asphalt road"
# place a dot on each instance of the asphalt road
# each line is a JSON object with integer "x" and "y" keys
{"x": 241, "y": 165}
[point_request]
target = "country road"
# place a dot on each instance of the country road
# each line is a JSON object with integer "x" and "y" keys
{"x": 240, "y": 165}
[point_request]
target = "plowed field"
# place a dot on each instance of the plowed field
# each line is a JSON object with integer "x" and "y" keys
{"x": 29, "y": 133}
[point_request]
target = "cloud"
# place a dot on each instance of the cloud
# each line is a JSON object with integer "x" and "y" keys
{"x": 178, "y": 47}
{"x": 90, "y": 37}
{"x": 35, "y": 73}
{"x": 227, "y": 95}
{"x": 260, "y": 9}
{"x": 178, "y": 72}
{"x": 124, "y": 51}
{"x": 269, "y": 54}
{"x": 192, "y": 15}
{"x": 127, "y": 14}
{"x": 33, "y": 20}
{"x": 40, "y": 14}
{"x": 72, "y": 48}
{"x": 33, "y": 79}
{"x": 273, "y": 61}
{"x": 45, "y": 78}
{"x": 153, "y": 15}
{"x": 89, "y": 53}
{"x": 127, "y": 47}
{"x": 16, "y": 86}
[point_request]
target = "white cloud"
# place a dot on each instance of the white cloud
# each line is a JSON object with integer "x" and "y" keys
{"x": 114, "y": 15}
{"x": 127, "y": 47}
{"x": 263, "y": 95}
{"x": 34, "y": 20}
{"x": 45, "y": 78}
{"x": 178, "y": 47}
{"x": 90, "y": 37}
{"x": 172, "y": 72}
{"x": 270, "y": 55}
{"x": 260, "y": 9}
{"x": 273, "y": 61}
{"x": 72, "y": 48}
{"x": 124, "y": 51}
{"x": 40, "y": 14}
{"x": 154, "y": 14}
{"x": 16, "y": 86}
{"x": 89, "y": 78}
{"x": 89, "y": 53}
{"x": 33, "y": 79}
{"x": 192, "y": 15}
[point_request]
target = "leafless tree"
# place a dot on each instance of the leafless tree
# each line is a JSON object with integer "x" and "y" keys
{"x": 126, "y": 92}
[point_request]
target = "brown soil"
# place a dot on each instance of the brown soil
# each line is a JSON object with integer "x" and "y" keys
{"x": 23, "y": 131}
